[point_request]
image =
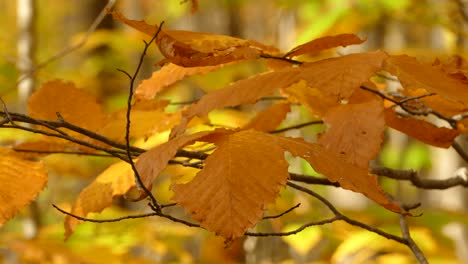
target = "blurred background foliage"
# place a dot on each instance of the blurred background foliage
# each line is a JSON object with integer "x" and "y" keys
{"x": 423, "y": 28}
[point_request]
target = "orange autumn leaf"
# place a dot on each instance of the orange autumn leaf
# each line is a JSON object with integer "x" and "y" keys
{"x": 113, "y": 182}
{"x": 167, "y": 75}
{"x": 230, "y": 197}
{"x": 270, "y": 118}
{"x": 339, "y": 77}
{"x": 75, "y": 105}
{"x": 355, "y": 131}
{"x": 324, "y": 43}
{"x": 189, "y": 49}
{"x": 335, "y": 77}
{"x": 421, "y": 130}
{"x": 312, "y": 98}
{"x": 414, "y": 74}
{"x": 153, "y": 161}
{"x": 438, "y": 103}
{"x": 21, "y": 181}
{"x": 147, "y": 117}
{"x": 338, "y": 169}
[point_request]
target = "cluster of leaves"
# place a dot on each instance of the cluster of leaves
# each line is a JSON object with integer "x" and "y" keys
{"x": 242, "y": 170}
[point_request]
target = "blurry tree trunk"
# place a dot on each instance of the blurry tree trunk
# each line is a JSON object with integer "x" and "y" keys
{"x": 26, "y": 49}
{"x": 26, "y": 15}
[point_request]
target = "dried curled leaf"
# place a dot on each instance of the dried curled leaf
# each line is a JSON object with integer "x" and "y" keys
{"x": 324, "y": 43}
{"x": 189, "y": 49}
{"x": 21, "y": 181}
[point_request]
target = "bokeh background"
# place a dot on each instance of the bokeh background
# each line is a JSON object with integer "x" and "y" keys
{"x": 422, "y": 28}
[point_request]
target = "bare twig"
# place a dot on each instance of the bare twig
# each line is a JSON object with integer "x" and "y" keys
{"x": 318, "y": 122}
{"x": 295, "y": 231}
{"x": 283, "y": 213}
{"x": 460, "y": 151}
{"x": 410, "y": 175}
{"x": 348, "y": 220}
{"x": 424, "y": 111}
{"x": 104, "y": 220}
{"x": 292, "y": 61}
{"x": 410, "y": 242}
{"x": 132, "y": 78}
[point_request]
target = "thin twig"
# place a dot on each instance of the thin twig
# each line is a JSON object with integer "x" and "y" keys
{"x": 348, "y": 220}
{"x": 420, "y": 112}
{"x": 104, "y": 220}
{"x": 81, "y": 153}
{"x": 133, "y": 77}
{"x": 283, "y": 213}
{"x": 318, "y": 122}
{"x": 295, "y": 231}
{"x": 411, "y": 244}
{"x": 460, "y": 151}
{"x": 292, "y": 61}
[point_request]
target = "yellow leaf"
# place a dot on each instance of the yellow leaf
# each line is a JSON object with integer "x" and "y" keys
{"x": 270, "y": 118}
{"x": 21, "y": 181}
{"x": 323, "y": 43}
{"x": 115, "y": 181}
{"x": 74, "y": 105}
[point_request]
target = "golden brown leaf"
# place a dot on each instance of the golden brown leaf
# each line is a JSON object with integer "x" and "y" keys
{"x": 421, "y": 130}
{"x": 247, "y": 170}
{"x": 324, "y": 43}
{"x": 189, "y": 49}
{"x": 115, "y": 181}
{"x": 229, "y": 195}
{"x": 270, "y": 118}
{"x": 339, "y": 77}
{"x": 355, "y": 131}
{"x": 21, "y": 181}
{"x": 414, "y": 74}
{"x": 167, "y": 75}
{"x": 337, "y": 169}
{"x": 336, "y": 78}
{"x": 74, "y": 105}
